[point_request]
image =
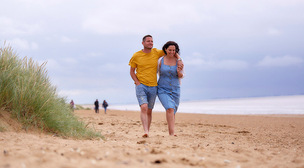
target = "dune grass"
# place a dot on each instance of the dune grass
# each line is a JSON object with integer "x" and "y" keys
{"x": 2, "y": 129}
{"x": 26, "y": 92}
{"x": 79, "y": 107}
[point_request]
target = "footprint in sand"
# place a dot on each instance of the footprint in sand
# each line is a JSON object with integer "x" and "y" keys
{"x": 154, "y": 151}
{"x": 159, "y": 161}
{"x": 243, "y": 132}
{"x": 141, "y": 142}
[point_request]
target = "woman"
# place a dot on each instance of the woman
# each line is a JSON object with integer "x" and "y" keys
{"x": 105, "y": 105}
{"x": 169, "y": 83}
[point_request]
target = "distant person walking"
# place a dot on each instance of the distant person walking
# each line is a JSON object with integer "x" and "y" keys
{"x": 105, "y": 105}
{"x": 168, "y": 89}
{"x": 96, "y": 103}
{"x": 144, "y": 62}
{"x": 72, "y": 105}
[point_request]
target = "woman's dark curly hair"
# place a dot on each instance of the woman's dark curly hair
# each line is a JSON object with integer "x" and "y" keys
{"x": 169, "y": 43}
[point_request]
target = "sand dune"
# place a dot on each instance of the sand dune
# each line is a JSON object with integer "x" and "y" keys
{"x": 202, "y": 141}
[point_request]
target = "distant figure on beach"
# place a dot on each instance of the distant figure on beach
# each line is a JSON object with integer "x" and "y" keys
{"x": 168, "y": 89}
{"x": 96, "y": 103}
{"x": 105, "y": 105}
{"x": 144, "y": 62}
{"x": 72, "y": 105}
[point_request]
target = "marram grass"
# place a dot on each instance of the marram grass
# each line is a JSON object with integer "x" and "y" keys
{"x": 26, "y": 92}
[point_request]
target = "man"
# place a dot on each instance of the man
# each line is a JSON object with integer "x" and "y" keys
{"x": 96, "y": 103}
{"x": 72, "y": 105}
{"x": 145, "y": 79}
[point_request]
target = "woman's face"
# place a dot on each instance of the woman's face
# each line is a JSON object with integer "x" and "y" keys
{"x": 170, "y": 50}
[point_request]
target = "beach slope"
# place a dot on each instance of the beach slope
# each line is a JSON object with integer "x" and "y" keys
{"x": 202, "y": 141}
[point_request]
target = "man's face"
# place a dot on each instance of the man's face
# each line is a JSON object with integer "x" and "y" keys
{"x": 148, "y": 43}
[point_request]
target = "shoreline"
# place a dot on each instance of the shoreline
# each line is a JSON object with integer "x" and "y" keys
{"x": 242, "y": 106}
{"x": 185, "y": 113}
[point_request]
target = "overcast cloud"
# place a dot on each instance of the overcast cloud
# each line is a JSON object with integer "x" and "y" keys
{"x": 230, "y": 48}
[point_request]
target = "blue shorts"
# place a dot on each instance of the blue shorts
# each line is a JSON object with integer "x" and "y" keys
{"x": 146, "y": 95}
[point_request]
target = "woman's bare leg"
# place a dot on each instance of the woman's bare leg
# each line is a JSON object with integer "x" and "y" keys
{"x": 170, "y": 120}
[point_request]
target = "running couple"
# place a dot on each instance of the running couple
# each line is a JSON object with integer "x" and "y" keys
{"x": 147, "y": 63}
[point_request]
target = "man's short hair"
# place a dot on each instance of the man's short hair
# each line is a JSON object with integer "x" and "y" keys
{"x": 144, "y": 38}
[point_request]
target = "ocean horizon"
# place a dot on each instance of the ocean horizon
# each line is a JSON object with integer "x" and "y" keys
{"x": 237, "y": 106}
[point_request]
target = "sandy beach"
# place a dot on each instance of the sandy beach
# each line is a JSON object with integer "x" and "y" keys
{"x": 237, "y": 141}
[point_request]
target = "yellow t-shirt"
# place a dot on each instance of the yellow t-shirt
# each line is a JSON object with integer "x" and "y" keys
{"x": 146, "y": 66}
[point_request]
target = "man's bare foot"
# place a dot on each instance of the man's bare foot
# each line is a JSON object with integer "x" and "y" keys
{"x": 145, "y": 136}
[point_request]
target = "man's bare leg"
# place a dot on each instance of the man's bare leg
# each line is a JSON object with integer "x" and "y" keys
{"x": 145, "y": 119}
{"x": 149, "y": 114}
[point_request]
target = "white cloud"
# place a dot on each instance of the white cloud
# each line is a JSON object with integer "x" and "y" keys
{"x": 217, "y": 64}
{"x": 92, "y": 55}
{"x": 211, "y": 63}
{"x": 112, "y": 67}
{"x": 76, "y": 92}
{"x": 23, "y": 44}
{"x": 65, "y": 39}
{"x": 232, "y": 64}
{"x": 9, "y": 26}
{"x": 52, "y": 64}
{"x": 61, "y": 64}
{"x": 273, "y": 32}
{"x": 284, "y": 61}
{"x": 139, "y": 17}
{"x": 69, "y": 61}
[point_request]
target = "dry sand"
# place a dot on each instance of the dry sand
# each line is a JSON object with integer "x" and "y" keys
{"x": 202, "y": 141}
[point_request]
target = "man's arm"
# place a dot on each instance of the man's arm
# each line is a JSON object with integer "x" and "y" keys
{"x": 180, "y": 72}
{"x": 133, "y": 76}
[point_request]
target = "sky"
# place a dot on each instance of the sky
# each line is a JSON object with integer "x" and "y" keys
{"x": 230, "y": 49}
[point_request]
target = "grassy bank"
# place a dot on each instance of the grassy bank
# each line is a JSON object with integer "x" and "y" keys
{"x": 26, "y": 92}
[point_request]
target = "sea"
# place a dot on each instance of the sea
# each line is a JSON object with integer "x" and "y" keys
{"x": 240, "y": 106}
